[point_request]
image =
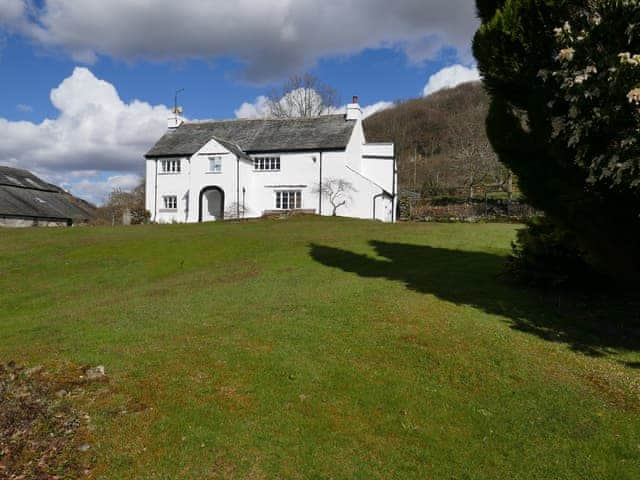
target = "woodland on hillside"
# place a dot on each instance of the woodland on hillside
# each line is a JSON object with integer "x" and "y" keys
{"x": 441, "y": 144}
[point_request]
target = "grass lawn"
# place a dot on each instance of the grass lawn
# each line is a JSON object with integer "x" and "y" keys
{"x": 320, "y": 348}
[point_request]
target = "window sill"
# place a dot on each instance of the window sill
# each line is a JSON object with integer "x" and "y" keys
{"x": 266, "y": 171}
{"x": 214, "y": 173}
{"x": 169, "y": 173}
{"x": 168, "y": 210}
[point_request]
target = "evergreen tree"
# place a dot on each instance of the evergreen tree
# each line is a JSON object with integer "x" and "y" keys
{"x": 564, "y": 78}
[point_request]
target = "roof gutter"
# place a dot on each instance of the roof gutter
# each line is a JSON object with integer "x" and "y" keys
{"x": 253, "y": 152}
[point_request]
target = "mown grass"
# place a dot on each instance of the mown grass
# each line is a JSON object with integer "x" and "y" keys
{"x": 320, "y": 348}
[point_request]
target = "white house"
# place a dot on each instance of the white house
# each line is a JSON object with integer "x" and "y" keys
{"x": 205, "y": 171}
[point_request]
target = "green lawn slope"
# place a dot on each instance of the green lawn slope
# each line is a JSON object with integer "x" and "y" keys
{"x": 320, "y": 348}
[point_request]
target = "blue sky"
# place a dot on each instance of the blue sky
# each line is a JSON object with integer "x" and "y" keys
{"x": 85, "y": 93}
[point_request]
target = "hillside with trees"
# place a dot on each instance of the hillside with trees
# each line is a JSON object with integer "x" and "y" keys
{"x": 441, "y": 144}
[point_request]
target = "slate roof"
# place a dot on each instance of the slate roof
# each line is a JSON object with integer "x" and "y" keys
{"x": 328, "y": 132}
{"x": 13, "y": 177}
{"x": 233, "y": 148}
{"x": 24, "y": 195}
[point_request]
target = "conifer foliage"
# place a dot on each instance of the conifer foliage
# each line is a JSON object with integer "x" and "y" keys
{"x": 564, "y": 81}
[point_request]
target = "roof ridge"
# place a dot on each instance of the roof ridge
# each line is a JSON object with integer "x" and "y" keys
{"x": 269, "y": 119}
{"x": 15, "y": 169}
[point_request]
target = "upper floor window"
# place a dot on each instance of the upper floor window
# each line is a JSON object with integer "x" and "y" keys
{"x": 266, "y": 164}
{"x": 288, "y": 199}
{"x": 170, "y": 202}
{"x": 215, "y": 164}
{"x": 170, "y": 166}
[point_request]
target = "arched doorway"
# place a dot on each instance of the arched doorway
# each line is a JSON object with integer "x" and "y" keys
{"x": 211, "y": 204}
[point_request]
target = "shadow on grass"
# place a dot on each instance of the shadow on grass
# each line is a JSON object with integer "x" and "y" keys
{"x": 473, "y": 278}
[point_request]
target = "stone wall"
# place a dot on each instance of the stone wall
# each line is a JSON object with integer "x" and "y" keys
{"x": 469, "y": 211}
{"x": 13, "y": 222}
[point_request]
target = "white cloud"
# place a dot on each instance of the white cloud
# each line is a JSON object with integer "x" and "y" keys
{"x": 95, "y": 131}
{"x": 124, "y": 182}
{"x": 91, "y": 184}
{"x": 21, "y": 107}
{"x": 450, "y": 77}
{"x": 11, "y": 11}
{"x": 369, "y": 110}
{"x": 375, "y": 108}
{"x": 271, "y": 37}
{"x": 258, "y": 109}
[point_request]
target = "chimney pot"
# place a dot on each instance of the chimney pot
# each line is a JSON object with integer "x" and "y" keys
{"x": 355, "y": 99}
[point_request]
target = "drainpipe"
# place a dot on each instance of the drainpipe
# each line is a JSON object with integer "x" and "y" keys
{"x": 155, "y": 200}
{"x": 320, "y": 187}
{"x": 393, "y": 192}
{"x": 237, "y": 188}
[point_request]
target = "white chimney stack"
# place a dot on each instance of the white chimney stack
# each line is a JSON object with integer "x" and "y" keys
{"x": 354, "y": 112}
{"x": 175, "y": 119}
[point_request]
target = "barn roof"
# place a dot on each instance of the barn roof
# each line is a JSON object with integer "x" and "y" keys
{"x": 328, "y": 132}
{"x": 24, "y": 195}
{"x": 17, "y": 177}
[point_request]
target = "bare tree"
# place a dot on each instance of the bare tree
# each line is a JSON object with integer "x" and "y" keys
{"x": 120, "y": 201}
{"x": 302, "y": 96}
{"x": 473, "y": 160}
{"x": 337, "y": 190}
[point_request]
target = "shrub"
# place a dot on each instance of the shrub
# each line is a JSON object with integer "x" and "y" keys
{"x": 547, "y": 256}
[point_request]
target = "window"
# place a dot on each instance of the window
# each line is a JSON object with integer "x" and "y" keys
{"x": 266, "y": 164}
{"x": 170, "y": 202}
{"x": 288, "y": 200}
{"x": 215, "y": 164}
{"x": 170, "y": 166}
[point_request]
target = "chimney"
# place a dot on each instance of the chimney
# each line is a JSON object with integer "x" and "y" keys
{"x": 354, "y": 112}
{"x": 175, "y": 118}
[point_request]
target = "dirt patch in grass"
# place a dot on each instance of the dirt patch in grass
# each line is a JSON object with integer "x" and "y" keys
{"x": 237, "y": 272}
{"x": 617, "y": 393}
{"x": 241, "y": 271}
{"x": 43, "y": 432}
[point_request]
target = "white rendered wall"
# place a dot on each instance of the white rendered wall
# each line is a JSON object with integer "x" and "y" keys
{"x": 150, "y": 187}
{"x": 167, "y": 184}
